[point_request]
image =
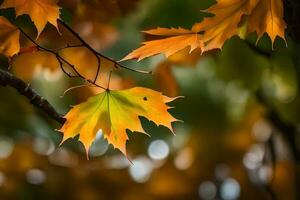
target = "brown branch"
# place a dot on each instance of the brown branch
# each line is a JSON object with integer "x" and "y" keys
{"x": 8, "y": 79}
{"x": 61, "y": 61}
{"x": 96, "y": 53}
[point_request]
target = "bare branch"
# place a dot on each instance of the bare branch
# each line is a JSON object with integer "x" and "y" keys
{"x": 62, "y": 60}
{"x": 8, "y": 79}
{"x": 97, "y": 54}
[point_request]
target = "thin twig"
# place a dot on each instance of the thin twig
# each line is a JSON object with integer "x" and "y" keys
{"x": 61, "y": 60}
{"x": 96, "y": 53}
{"x": 68, "y": 46}
{"x": 74, "y": 87}
{"x": 98, "y": 68}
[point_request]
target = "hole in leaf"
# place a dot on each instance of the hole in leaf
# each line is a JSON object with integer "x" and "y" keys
{"x": 145, "y": 98}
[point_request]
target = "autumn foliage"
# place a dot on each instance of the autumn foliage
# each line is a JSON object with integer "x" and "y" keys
{"x": 230, "y": 18}
{"x": 114, "y": 112}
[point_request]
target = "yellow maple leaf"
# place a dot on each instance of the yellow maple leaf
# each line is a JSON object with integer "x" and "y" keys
{"x": 40, "y": 11}
{"x": 264, "y": 16}
{"x": 9, "y": 38}
{"x": 114, "y": 112}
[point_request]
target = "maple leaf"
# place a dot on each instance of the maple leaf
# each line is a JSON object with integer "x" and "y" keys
{"x": 179, "y": 39}
{"x": 225, "y": 22}
{"x": 264, "y": 16}
{"x": 114, "y": 112}
{"x": 9, "y": 38}
{"x": 40, "y": 11}
{"x": 267, "y": 17}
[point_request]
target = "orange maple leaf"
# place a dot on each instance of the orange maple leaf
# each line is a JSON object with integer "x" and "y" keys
{"x": 40, "y": 11}
{"x": 263, "y": 16}
{"x": 9, "y": 38}
{"x": 179, "y": 39}
{"x": 225, "y": 22}
{"x": 267, "y": 17}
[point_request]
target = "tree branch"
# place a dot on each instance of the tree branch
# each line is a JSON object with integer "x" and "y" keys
{"x": 96, "y": 53}
{"x": 8, "y": 79}
{"x": 61, "y": 61}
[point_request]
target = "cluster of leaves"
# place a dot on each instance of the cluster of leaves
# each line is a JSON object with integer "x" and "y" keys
{"x": 114, "y": 112}
{"x": 230, "y": 18}
{"x": 40, "y": 12}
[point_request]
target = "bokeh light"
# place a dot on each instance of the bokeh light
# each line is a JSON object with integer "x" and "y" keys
{"x": 184, "y": 159}
{"x": 6, "y": 147}
{"x": 158, "y": 150}
{"x": 230, "y": 189}
{"x": 141, "y": 169}
{"x": 35, "y": 176}
{"x": 262, "y": 131}
{"x": 254, "y": 157}
{"x": 207, "y": 190}
{"x": 63, "y": 157}
{"x": 99, "y": 146}
{"x": 43, "y": 146}
{"x": 117, "y": 162}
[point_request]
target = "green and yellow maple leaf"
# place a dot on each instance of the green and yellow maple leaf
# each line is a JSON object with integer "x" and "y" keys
{"x": 114, "y": 112}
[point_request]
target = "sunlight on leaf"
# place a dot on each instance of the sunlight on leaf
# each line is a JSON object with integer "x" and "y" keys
{"x": 114, "y": 112}
{"x": 263, "y": 16}
{"x": 40, "y": 11}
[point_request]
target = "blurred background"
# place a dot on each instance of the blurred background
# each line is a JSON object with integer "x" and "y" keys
{"x": 240, "y": 136}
